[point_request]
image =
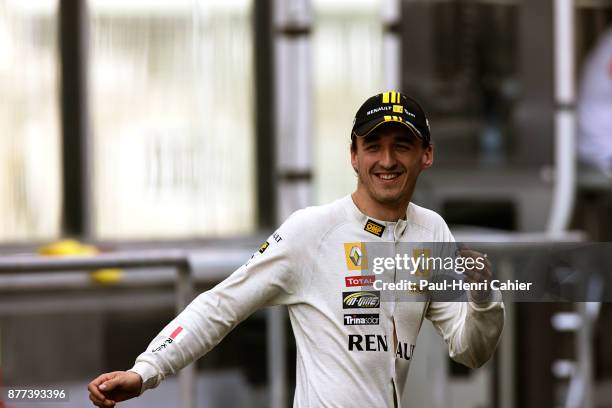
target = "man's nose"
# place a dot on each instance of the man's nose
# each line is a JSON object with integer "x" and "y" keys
{"x": 387, "y": 159}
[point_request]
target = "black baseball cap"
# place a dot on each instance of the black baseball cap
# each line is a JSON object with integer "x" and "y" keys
{"x": 391, "y": 107}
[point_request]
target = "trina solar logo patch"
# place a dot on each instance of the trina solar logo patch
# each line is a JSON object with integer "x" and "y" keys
{"x": 374, "y": 228}
{"x": 365, "y": 299}
{"x": 361, "y": 319}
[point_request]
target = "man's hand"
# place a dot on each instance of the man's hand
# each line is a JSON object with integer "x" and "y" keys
{"x": 110, "y": 388}
{"x": 476, "y": 275}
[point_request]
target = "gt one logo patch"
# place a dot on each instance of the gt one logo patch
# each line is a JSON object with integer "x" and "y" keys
{"x": 398, "y": 108}
{"x": 374, "y": 228}
{"x": 355, "y": 256}
{"x": 177, "y": 334}
{"x": 361, "y": 300}
{"x": 366, "y": 280}
{"x": 361, "y": 319}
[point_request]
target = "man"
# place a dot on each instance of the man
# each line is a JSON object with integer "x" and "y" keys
{"x": 345, "y": 357}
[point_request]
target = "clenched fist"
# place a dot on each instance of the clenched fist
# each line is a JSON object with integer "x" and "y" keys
{"x": 478, "y": 275}
{"x": 110, "y": 388}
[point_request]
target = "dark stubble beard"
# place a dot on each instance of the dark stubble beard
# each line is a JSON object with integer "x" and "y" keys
{"x": 386, "y": 201}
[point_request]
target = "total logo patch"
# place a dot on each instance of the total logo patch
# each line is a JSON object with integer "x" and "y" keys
{"x": 374, "y": 228}
{"x": 365, "y": 299}
{"x": 176, "y": 335}
{"x": 365, "y": 280}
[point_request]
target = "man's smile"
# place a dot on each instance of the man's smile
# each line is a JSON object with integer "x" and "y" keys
{"x": 387, "y": 176}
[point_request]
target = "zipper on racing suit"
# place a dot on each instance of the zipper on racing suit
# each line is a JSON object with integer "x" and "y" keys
{"x": 396, "y": 231}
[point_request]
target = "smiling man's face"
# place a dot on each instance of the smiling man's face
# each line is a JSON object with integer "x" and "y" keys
{"x": 388, "y": 162}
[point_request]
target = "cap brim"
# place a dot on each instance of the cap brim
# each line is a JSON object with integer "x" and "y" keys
{"x": 368, "y": 127}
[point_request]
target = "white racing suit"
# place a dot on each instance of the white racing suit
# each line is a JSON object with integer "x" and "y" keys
{"x": 343, "y": 359}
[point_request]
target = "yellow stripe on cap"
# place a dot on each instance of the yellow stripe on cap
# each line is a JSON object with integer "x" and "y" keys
{"x": 388, "y": 118}
{"x": 393, "y": 97}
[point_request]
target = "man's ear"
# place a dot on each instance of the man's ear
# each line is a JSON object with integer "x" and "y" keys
{"x": 427, "y": 158}
{"x": 354, "y": 161}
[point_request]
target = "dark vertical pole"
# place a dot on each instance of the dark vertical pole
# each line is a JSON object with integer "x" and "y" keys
{"x": 418, "y": 67}
{"x": 536, "y": 344}
{"x": 534, "y": 113}
{"x": 73, "y": 52}
{"x": 263, "y": 50}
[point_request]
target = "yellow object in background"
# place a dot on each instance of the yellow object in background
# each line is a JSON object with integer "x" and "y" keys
{"x": 67, "y": 247}
{"x": 71, "y": 247}
{"x": 107, "y": 276}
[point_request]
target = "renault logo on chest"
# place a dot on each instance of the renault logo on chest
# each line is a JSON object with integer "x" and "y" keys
{"x": 355, "y": 256}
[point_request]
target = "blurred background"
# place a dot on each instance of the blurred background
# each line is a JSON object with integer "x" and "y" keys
{"x": 167, "y": 139}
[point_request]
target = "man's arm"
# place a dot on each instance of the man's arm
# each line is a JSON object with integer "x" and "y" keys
{"x": 272, "y": 276}
{"x": 471, "y": 330}
{"x": 266, "y": 279}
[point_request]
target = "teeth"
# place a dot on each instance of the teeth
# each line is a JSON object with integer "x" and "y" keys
{"x": 387, "y": 176}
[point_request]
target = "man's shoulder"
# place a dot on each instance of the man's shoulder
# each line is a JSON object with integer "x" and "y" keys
{"x": 425, "y": 217}
{"x": 317, "y": 218}
{"x": 314, "y": 221}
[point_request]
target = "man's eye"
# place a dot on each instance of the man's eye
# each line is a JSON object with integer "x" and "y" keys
{"x": 371, "y": 148}
{"x": 403, "y": 147}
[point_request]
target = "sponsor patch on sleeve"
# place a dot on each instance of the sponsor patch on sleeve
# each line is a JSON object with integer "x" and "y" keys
{"x": 274, "y": 239}
{"x": 176, "y": 334}
{"x": 263, "y": 247}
